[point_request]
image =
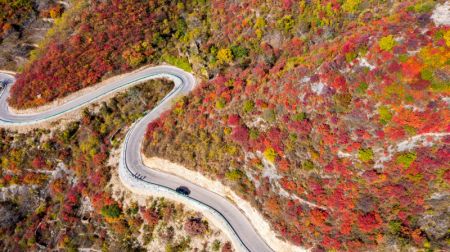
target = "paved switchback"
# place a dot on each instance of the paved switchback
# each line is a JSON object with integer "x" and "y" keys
{"x": 131, "y": 160}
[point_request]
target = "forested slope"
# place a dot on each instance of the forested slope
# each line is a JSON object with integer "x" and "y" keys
{"x": 331, "y": 117}
{"x": 23, "y": 24}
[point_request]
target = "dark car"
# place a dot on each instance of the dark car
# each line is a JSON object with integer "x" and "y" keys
{"x": 183, "y": 190}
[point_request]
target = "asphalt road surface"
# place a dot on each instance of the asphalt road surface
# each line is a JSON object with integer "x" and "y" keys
{"x": 131, "y": 152}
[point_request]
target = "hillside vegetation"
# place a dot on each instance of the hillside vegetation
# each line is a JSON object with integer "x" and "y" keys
{"x": 58, "y": 188}
{"x": 330, "y": 117}
{"x": 23, "y": 24}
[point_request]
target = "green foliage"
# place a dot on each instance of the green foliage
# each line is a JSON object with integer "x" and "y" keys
{"x": 286, "y": 23}
{"x": 253, "y": 134}
{"x": 269, "y": 115}
{"x": 182, "y": 63}
{"x": 248, "y": 106}
{"x": 90, "y": 145}
{"x": 395, "y": 227}
{"x": 234, "y": 175}
{"x": 299, "y": 116}
{"x": 422, "y": 6}
{"x": 181, "y": 28}
{"x": 350, "y": 56}
{"x": 308, "y": 165}
{"x": 387, "y": 43}
{"x": 385, "y": 114}
{"x": 180, "y": 246}
{"x": 365, "y": 155}
{"x": 361, "y": 89}
{"x": 410, "y": 130}
{"x": 406, "y": 159}
{"x": 216, "y": 245}
{"x": 426, "y": 74}
{"x": 111, "y": 211}
{"x": 239, "y": 51}
{"x": 270, "y": 155}
{"x": 220, "y": 103}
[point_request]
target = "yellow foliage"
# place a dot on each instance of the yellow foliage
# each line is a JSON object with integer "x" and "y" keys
{"x": 224, "y": 56}
{"x": 387, "y": 43}
{"x": 447, "y": 38}
{"x": 350, "y": 5}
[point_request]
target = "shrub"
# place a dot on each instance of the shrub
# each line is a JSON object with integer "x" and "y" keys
{"x": 270, "y": 155}
{"x": 387, "y": 43}
{"x": 239, "y": 51}
{"x": 248, "y": 106}
{"x": 216, "y": 245}
{"x": 269, "y": 115}
{"x": 286, "y": 23}
{"x": 234, "y": 175}
{"x": 224, "y": 56}
{"x": 385, "y": 114}
{"x": 308, "y": 165}
{"x": 365, "y": 155}
{"x": 406, "y": 159}
{"x": 195, "y": 226}
{"x": 350, "y": 5}
{"x": 299, "y": 116}
{"x": 111, "y": 211}
{"x": 220, "y": 103}
{"x": 361, "y": 89}
{"x": 182, "y": 63}
{"x": 447, "y": 38}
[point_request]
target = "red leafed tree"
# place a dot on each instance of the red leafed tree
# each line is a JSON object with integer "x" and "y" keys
{"x": 318, "y": 217}
{"x": 195, "y": 226}
{"x": 240, "y": 135}
{"x": 150, "y": 216}
{"x": 227, "y": 247}
{"x": 38, "y": 162}
{"x": 233, "y": 120}
{"x": 369, "y": 222}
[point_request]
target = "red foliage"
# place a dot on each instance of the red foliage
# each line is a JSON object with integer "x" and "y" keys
{"x": 150, "y": 216}
{"x": 38, "y": 162}
{"x": 318, "y": 217}
{"x": 233, "y": 120}
{"x": 240, "y": 135}
{"x": 369, "y": 222}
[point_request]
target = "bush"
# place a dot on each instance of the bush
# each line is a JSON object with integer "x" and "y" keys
{"x": 224, "y": 56}
{"x": 220, "y": 104}
{"x": 270, "y": 155}
{"x": 249, "y": 105}
{"x": 387, "y": 43}
{"x": 111, "y": 211}
{"x": 234, "y": 175}
{"x": 239, "y": 51}
{"x": 407, "y": 159}
{"x": 182, "y": 63}
{"x": 195, "y": 226}
{"x": 351, "y": 5}
{"x": 385, "y": 114}
{"x": 365, "y": 155}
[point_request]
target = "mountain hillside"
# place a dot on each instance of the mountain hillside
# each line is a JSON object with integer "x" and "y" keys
{"x": 330, "y": 116}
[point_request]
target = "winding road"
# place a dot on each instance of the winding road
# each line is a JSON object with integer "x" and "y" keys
{"x": 133, "y": 173}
